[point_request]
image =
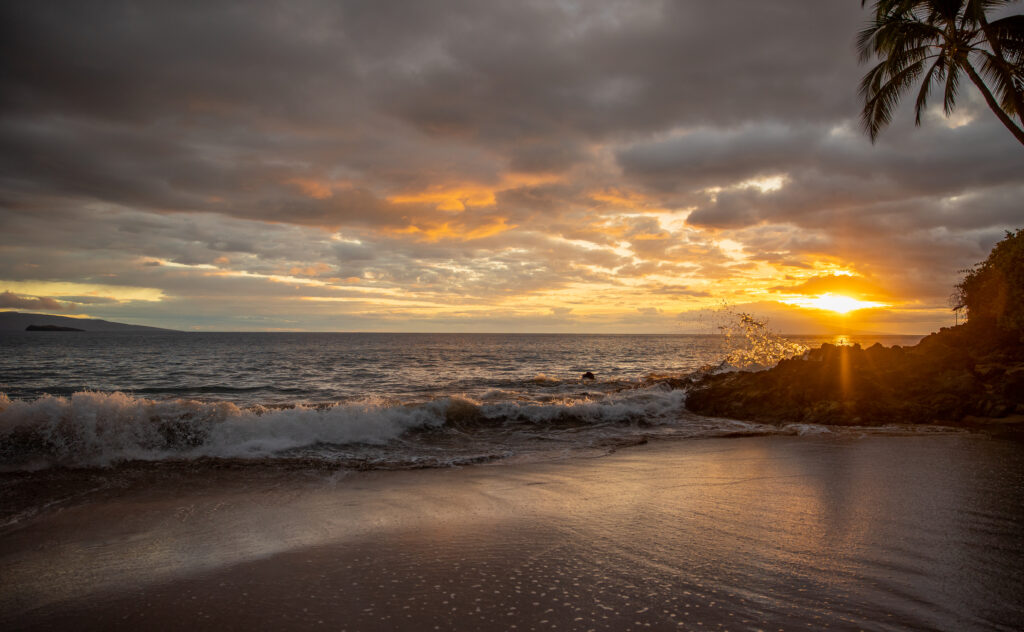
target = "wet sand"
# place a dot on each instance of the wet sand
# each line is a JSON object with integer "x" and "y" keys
{"x": 922, "y": 532}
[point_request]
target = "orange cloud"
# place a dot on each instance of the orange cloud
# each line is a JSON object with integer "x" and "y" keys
{"x": 845, "y": 284}
{"x": 316, "y": 269}
{"x": 448, "y": 198}
{"x": 625, "y": 199}
{"x": 316, "y": 189}
{"x": 459, "y": 196}
{"x": 460, "y": 232}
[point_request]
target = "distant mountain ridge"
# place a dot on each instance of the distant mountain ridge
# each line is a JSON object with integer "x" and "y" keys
{"x": 18, "y": 321}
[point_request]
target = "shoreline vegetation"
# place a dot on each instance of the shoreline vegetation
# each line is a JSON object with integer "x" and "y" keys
{"x": 971, "y": 374}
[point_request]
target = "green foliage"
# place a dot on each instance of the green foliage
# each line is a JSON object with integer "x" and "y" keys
{"x": 936, "y": 42}
{"x": 992, "y": 292}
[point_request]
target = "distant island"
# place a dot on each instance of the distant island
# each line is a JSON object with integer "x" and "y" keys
{"x": 19, "y": 321}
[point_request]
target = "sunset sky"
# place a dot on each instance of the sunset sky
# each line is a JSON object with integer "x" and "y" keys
{"x": 549, "y": 166}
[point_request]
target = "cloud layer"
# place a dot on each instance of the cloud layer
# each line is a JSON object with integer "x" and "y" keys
{"x": 464, "y": 165}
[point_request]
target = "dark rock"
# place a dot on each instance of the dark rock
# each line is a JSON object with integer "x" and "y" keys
{"x": 1011, "y": 384}
{"x": 588, "y": 376}
{"x": 945, "y": 378}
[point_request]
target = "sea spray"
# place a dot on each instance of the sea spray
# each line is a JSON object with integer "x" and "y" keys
{"x": 751, "y": 345}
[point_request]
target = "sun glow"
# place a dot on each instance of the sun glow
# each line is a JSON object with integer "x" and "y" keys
{"x": 834, "y": 303}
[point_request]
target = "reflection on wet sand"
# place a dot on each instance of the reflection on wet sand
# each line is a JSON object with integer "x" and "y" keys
{"x": 873, "y": 532}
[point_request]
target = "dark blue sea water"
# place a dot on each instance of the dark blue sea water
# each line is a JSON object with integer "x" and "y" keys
{"x": 98, "y": 399}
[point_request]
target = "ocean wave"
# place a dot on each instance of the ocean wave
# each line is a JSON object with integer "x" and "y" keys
{"x": 102, "y": 429}
{"x": 806, "y": 429}
{"x": 210, "y": 389}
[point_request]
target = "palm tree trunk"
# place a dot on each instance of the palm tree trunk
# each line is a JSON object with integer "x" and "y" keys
{"x": 1003, "y": 117}
{"x": 997, "y": 50}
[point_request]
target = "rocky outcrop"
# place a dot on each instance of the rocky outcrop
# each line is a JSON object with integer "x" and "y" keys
{"x": 956, "y": 374}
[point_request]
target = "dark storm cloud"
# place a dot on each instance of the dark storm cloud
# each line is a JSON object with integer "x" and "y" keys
{"x": 628, "y": 66}
{"x": 165, "y": 106}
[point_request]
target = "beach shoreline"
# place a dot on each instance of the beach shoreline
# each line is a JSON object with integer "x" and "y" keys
{"x": 877, "y": 531}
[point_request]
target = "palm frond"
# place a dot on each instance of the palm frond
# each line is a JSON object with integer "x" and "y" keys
{"x": 882, "y": 89}
{"x": 946, "y": 10}
{"x": 976, "y": 12}
{"x": 1008, "y": 33}
{"x": 1005, "y": 83}
{"x": 936, "y": 72}
{"x": 904, "y": 34}
{"x": 951, "y": 90}
{"x": 894, "y": 34}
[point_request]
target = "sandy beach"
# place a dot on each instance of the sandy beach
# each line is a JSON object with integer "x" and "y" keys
{"x": 886, "y": 532}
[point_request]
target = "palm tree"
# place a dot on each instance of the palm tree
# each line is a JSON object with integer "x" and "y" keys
{"x": 937, "y": 41}
{"x": 1010, "y": 76}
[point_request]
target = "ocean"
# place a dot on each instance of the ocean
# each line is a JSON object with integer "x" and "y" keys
{"x": 216, "y": 481}
{"x": 365, "y": 400}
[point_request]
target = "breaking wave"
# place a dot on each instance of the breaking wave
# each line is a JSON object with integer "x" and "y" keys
{"x": 102, "y": 429}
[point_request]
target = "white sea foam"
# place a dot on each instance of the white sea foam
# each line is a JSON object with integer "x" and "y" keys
{"x": 806, "y": 429}
{"x": 651, "y": 405}
{"x": 91, "y": 428}
{"x": 99, "y": 429}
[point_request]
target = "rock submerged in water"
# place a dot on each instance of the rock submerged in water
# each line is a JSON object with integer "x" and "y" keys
{"x": 956, "y": 373}
{"x": 588, "y": 376}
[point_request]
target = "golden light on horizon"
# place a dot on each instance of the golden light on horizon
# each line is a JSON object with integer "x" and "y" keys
{"x": 833, "y": 303}
{"x": 61, "y": 289}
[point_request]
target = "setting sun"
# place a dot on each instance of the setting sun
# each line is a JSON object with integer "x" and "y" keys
{"x": 834, "y": 303}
